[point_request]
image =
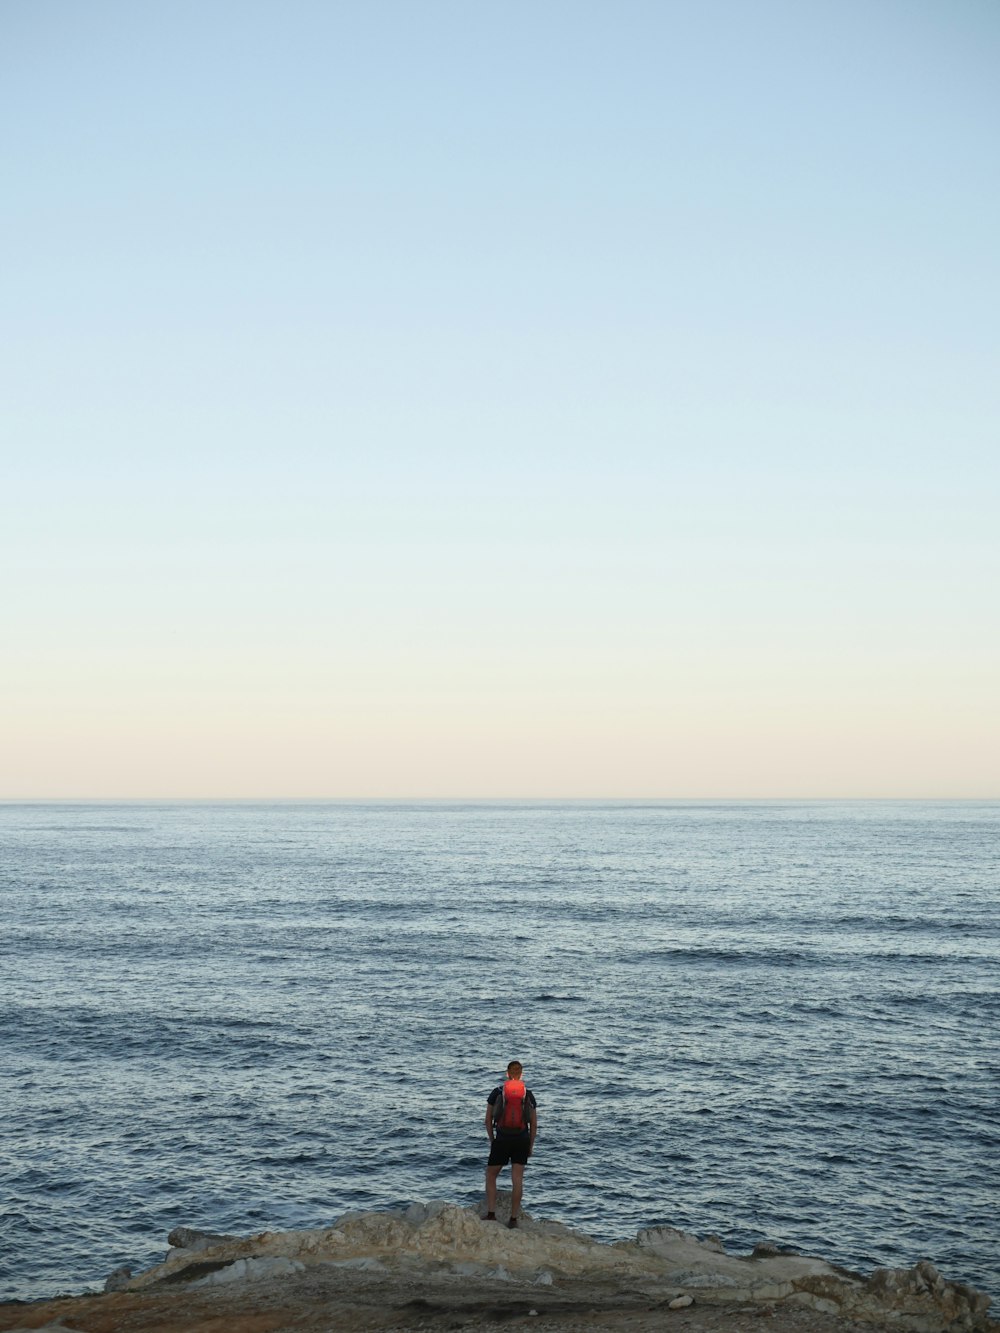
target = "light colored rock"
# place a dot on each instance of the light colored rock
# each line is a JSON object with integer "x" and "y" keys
{"x": 920, "y": 1298}
{"x": 378, "y": 1230}
{"x": 659, "y": 1236}
{"x": 418, "y": 1213}
{"x": 250, "y": 1270}
{"x": 916, "y": 1299}
{"x": 442, "y": 1238}
{"x": 118, "y": 1280}
{"x": 680, "y": 1303}
{"x": 691, "y": 1277}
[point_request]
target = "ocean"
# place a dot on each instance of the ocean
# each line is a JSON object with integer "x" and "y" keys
{"x": 764, "y": 1020}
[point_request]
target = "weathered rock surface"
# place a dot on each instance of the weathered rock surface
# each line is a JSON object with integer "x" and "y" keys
{"x": 441, "y": 1248}
{"x": 118, "y": 1280}
{"x": 187, "y": 1238}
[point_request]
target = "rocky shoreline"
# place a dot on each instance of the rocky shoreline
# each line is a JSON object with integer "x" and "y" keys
{"x": 439, "y": 1265}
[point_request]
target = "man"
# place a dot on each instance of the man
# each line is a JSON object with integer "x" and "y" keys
{"x": 511, "y": 1123}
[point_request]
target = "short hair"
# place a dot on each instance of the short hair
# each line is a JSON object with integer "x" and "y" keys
{"x": 515, "y": 1069}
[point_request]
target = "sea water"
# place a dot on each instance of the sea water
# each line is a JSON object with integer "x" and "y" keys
{"x": 765, "y": 1020}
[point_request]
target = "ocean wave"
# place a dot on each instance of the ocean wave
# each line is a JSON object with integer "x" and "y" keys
{"x": 780, "y": 957}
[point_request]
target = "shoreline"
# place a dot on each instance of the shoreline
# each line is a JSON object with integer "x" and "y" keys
{"x": 440, "y": 1265}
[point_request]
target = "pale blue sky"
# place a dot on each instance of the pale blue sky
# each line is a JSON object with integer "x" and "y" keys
{"x": 539, "y": 399}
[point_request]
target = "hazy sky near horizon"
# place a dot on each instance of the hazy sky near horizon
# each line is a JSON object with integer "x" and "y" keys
{"x": 448, "y": 399}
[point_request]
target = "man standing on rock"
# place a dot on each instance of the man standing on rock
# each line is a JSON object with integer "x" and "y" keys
{"x": 511, "y": 1123}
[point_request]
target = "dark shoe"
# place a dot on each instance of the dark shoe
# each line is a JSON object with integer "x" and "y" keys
{"x": 490, "y": 1217}
{"x": 512, "y": 1223}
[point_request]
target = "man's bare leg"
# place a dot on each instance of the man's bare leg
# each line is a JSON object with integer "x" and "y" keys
{"x": 516, "y": 1188}
{"x": 491, "y": 1189}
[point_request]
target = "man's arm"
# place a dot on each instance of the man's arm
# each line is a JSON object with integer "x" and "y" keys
{"x": 534, "y": 1129}
{"x": 489, "y": 1120}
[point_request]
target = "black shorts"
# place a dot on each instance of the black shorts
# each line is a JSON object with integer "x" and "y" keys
{"x": 512, "y": 1148}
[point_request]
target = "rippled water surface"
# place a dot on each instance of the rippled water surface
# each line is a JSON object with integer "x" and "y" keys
{"x": 764, "y": 1020}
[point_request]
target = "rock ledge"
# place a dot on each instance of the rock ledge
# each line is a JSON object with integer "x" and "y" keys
{"x": 438, "y": 1246}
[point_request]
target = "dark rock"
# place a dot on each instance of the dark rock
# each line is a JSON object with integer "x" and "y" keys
{"x": 188, "y": 1238}
{"x": 192, "y": 1272}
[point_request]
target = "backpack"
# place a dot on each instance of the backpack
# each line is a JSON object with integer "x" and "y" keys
{"x": 512, "y": 1110}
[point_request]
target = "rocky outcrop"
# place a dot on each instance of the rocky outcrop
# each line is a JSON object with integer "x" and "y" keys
{"x": 456, "y": 1242}
{"x": 921, "y": 1298}
{"x": 374, "y": 1270}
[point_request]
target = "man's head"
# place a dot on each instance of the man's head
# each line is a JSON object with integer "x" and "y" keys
{"x": 515, "y": 1069}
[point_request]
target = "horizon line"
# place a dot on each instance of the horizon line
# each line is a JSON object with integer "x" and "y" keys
{"x": 472, "y": 800}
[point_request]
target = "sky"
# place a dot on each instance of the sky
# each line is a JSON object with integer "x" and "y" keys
{"x": 434, "y": 399}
